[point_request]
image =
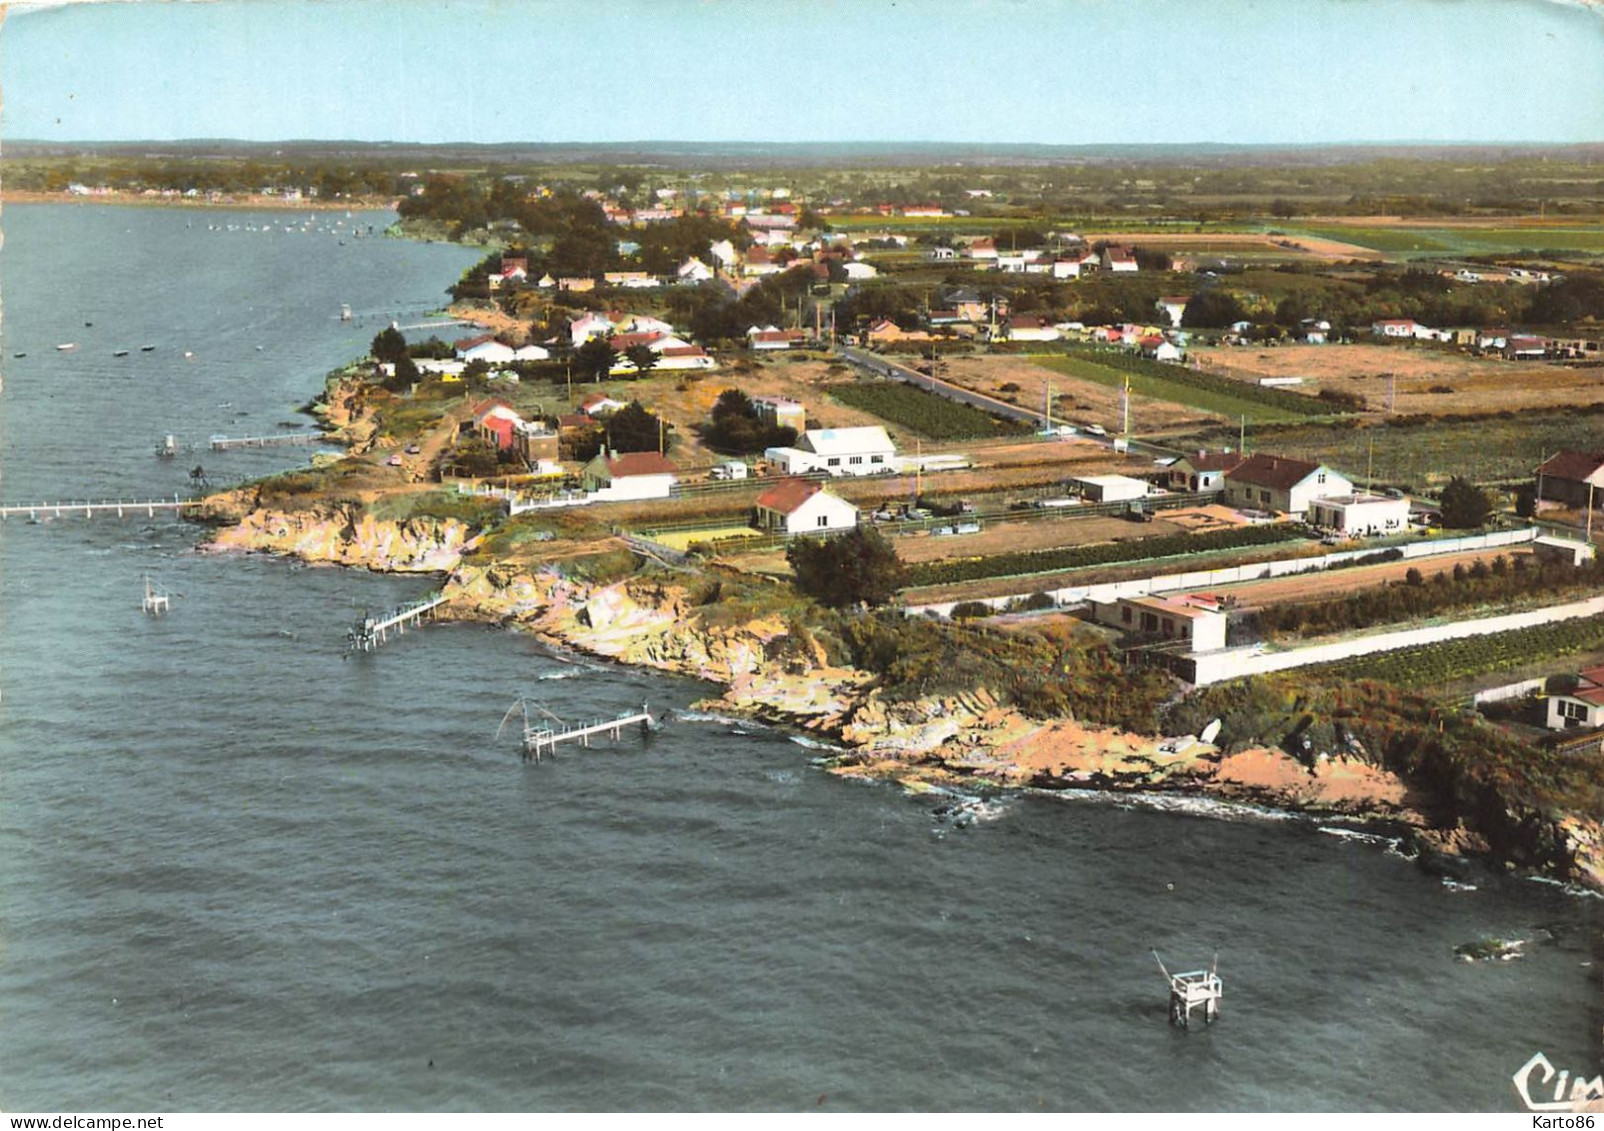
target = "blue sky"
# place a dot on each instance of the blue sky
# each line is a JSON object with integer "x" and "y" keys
{"x": 1051, "y": 71}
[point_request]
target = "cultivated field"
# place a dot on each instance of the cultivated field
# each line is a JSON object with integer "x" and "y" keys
{"x": 1078, "y": 400}
{"x": 1335, "y": 583}
{"x": 1431, "y": 381}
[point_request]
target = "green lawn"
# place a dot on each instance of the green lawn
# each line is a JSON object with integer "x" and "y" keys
{"x": 1158, "y": 388}
{"x": 1462, "y": 241}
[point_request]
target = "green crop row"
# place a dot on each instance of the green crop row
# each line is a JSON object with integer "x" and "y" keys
{"x": 922, "y": 412}
{"x": 1431, "y": 665}
{"x": 1102, "y": 553}
{"x": 1267, "y": 395}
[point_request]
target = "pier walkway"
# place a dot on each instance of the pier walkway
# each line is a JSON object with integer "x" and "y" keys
{"x": 369, "y": 632}
{"x": 224, "y": 443}
{"x": 543, "y": 739}
{"x": 88, "y": 509}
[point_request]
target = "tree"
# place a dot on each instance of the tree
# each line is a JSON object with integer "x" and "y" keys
{"x": 737, "y": 428}
{"x": 643, "y": 357}
{"x": 634, "y": 429}
{"x": 1464, "y": 505}
{"x": 1213, "y": 308}
{"x": 406, "y": 375}
{"x": 858, "y": 566}
{"x": 1526, "y": 501}
{"x": 594, "y": 358}
{"x": 389, "y": 345}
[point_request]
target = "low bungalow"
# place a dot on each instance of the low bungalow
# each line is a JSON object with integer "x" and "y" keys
{"x": 483, "y": 348}
{"x": 857, "y": 272}
{"x": 838, "y": 451}
{"x": 633, "y": 279}
{"x": 1119, "y": 259}
{"x": 1196, "y": 620}
{"x": 1029, "y": 328}
{"x": 497, "y": 422}
{"x": 576, "y": 283}
{"x": 1401, "y": 328}
{"x": 885, "y": 330}
{"x": 1110, "y": 488}
{"x": 600, "y": 404}
{"x": 983, "y": 249}
{"x": 1201, "y": 471}
{"x": 803, "y": 506}
{"x": 769, "y": 338}
{"x": 1574, "y": 479}
{"x": 634, "y": 475}
{"x": 1526, "y": 348}
{"x": 1276, "y": 483}
{"x": 693, "y": 270}
{"x": 1361, "y": 516}
{"x": 1581, "y": 708}
{"x": 1159, "y": 348}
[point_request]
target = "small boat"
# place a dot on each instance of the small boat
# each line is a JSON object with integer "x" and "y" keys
{"x": 88, "y": 323}
{"x": 67, "y": 346}
{"x": 119, "y": 353}
{"x": 146, "y": 349}
{"x": 188, "y": 353}
{"x": 23, "y": 354}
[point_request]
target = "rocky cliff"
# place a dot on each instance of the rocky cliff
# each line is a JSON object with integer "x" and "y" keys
{"x": 345, "y": 534}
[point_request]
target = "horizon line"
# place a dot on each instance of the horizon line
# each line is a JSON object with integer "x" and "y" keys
{"x": 921, "y": 143}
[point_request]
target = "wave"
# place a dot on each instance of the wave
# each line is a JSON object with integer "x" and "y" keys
{"x": 1186, "y": 804}
{"x": 1568, "y": 889}
{"x": 809, "y": 743}
{"x": 1376, "y": 839}
{"x": 1454, "y": 885}
{"x": 566, "y": 674}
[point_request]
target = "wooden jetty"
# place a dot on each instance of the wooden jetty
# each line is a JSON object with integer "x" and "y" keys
{"x": 369, "y": 632}
{"x": 224, "y": 443}
{"x": 1195, "y": 989}
{"x": 542, "y": 736}
{"x": 121, "y": 508}
{"x": 157, "y": 600}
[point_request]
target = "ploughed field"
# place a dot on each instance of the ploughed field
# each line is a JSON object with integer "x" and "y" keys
{"x": 1077, "y": 398}
{"x": 1426, "y": 379}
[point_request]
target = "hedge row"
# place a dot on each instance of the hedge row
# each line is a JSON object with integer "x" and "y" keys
{"x": 1102, "y": 553}
{"x": 925, "y": 413}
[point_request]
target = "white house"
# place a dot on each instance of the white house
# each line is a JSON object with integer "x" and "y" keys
{"x": 1398, "y": 328}
{"x": 1197, "y": 619}
{"x": 1201, "y": 471}
{"x": 770, "y": 338}
{"x": 1029, "y": 328}
{"x": 1120, "y": 259}
{"x": 531, "y": 352}
{"x": 1174, "y": 306}
{"x": 600, "y": 404}
{"x": 1582, "y": 708}
{"x": 643, "y": 324}
{"x": 1359, "y": 516}
{"x": 782, "y": 411}
{"x": 1110, "y": 488}
{"x": 693, "y": 270}
{"x": 1275, "y": 483}
{"x": 634, "y": 475}
{"x": 803, "y": 506}
{"x": 484, "y": 348}
{"x": 724, "y": 254}
{"x": 587, "y": 326}
{"x": 838, "y": 451}
{"x": 857, "y": 271}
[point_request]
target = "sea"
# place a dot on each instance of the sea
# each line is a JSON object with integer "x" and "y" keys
{"x": 241, "y": 871}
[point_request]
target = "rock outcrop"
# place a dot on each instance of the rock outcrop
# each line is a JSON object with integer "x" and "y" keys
{"x": 346, "y": 535}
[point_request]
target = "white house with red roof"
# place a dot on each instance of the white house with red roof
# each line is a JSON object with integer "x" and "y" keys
{"x": 634, "y": 475}
{"x": 1581, "y": 708}
{"x": 1119, "y": 259}
{"x": 770, "y": 338}
{"x": 1400, "y": 328}
{"x": 587, "y": 326}
{"x": 600, "y": 404}
{"x": 483, "y": 348}
{"x": 1029, "y": 328}
{"x": 803, "y": 506}
{"x": 983, "y": 249}
{"x": 496, "y": 421}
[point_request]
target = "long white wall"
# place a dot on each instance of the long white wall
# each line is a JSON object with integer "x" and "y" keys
{"x": 1213, "y": 667}
{"x": 1257, "y": 571}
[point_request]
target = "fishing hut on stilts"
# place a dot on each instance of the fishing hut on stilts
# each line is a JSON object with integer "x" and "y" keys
{"x": 1195, "y": 989}
{"x": 542, "y": 733}
{"x": 157, "y": 600}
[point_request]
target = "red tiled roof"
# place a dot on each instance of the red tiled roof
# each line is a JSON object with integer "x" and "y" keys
{"x": 622, "y": 342}
{"x": 685, "y": 351}
{"x": 788, "y": 494}
{"x": 1212, "y": 461}
{"x": 1275, "y": 472}
{"x": 485, "y": 406}
{"x": 463, "y": 344}
{"x": 638, "y": 463}
{"x": 1572, "y": 465}
{"x": 576, "y": 420}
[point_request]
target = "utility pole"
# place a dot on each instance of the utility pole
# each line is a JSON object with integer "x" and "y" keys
{"x": 1242, "y": 436}
{"x": 1125, "y": 408}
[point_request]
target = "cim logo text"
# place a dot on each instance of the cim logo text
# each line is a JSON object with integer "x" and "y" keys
{"x": 1534, "y": 1077}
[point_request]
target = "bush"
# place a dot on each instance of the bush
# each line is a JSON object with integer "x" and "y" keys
{"x": 860, "y": 566}
{"x": 967, "y": 610}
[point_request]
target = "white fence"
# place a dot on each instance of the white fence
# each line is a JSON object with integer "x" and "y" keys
{"x": 1257, "y": 571}
{"x": 1508, "y": 691}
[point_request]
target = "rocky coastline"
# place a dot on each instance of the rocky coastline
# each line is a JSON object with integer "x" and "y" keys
{"x": 968, "y": 740}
